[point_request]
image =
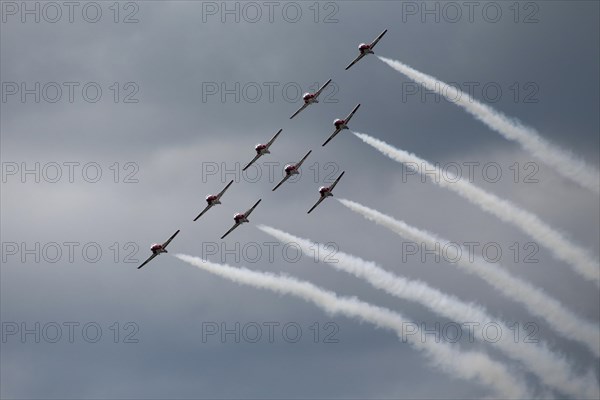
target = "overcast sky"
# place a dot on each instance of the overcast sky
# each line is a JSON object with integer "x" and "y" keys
{"x": 127, "y": 123}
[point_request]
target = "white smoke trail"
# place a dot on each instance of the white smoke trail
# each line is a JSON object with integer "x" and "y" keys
{"x": 582, "y": 262}
{"x": 565, "y": 164}
{"x": 465, "y": 365}
{"x": 533, "y": 298}
{"x": 553, "y": 370}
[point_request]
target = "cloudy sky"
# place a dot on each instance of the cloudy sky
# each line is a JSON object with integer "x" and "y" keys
{"x": 117, "y": 119}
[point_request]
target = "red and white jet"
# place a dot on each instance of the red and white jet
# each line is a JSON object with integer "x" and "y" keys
{"x": 341, "y": 124}
{"x": 240, "y": 218}
{"x": 325, "y": 192}
{"x": 366, "y": 49}
{"x": 213, "y": 200}
{"x": 291, "y": 169}
{"x": 262, "y": 149}
{"x": 158, "y": 249}
{"x": 310, "y": 98}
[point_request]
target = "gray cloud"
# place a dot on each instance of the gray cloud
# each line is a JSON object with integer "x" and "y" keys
{"x": 174, "y": 137}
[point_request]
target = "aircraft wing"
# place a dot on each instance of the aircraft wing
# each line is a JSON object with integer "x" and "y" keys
{"x": 224, "y": 189}
{"x": 203, "y": 211}
{"x": 316, "y": 204}
{"x": 148, "y": 260}
{"x": 336, "y": 181}
{"x": 377, "y": 39}
{"x": 285, "y": 178}
{"x": 299, "y": 110}
{"x": 318, "y": 92}
{"x": 231, "y": 229}
{"x": 247, "y": 213}
{"x": 349, "y": 117}
{"x": 338, "y": 130}
{"x": 165, "y": 244}
{"x": 256, "y": 157}
{"x": 303, "y": 158}
{"x": 358, "y": 58}
{"x": 270, "y": 142}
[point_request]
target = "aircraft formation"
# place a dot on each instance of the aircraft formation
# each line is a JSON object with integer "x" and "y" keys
{"x": 290, "y": 169}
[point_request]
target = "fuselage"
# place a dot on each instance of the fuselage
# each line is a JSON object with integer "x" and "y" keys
{"x": 291, "y": 169}
{"x": 240, "y": 218}
{"x": 157, "y": 249}
{"x": 213, "y": 199}
{"x": 261, "y": 149}
{"x": 340, "y": 124}
{"x": 309, "y": 98}
{"x": 325, "y": 191}
{"x": 365, "y": 48}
